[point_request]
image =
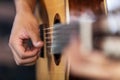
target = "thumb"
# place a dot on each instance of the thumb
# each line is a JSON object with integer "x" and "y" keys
{"x": 35, "y": 37}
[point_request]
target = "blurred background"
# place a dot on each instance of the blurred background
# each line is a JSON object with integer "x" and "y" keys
{"x": 7, "y": 64}
{"x": 8, "y": 68}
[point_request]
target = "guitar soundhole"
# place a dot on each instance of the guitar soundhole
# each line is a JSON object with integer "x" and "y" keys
{"x": 57, "y": 56}
{"x": 57, "y": 19}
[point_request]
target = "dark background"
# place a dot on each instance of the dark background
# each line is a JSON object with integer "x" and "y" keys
{"x": 8, "y": 68}
{"x": 7, "y": 64}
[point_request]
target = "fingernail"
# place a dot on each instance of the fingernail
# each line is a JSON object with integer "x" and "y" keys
{"x": 38, "y": 44}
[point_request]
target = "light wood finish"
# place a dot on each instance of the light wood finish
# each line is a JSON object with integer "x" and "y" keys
{"x": 46, "y": 68}
{"x": 105, "y": 6}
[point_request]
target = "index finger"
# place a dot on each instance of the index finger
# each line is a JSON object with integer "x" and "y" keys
{"x": 20, "y": 50}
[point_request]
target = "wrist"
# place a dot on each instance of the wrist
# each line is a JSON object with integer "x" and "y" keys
{"x": 24, "y": 14}
{"x": 23, "y": 7}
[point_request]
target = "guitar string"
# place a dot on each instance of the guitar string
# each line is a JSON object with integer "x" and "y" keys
{"x": 48, "y": 28}
{"x": 51, "y": 28}
{"x": 49, "y": 38}
{"x": 58, "y": 32}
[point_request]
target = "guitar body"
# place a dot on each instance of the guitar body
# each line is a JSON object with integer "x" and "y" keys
{"x": 46, "y": 68}
{"x": 50, "y": 12}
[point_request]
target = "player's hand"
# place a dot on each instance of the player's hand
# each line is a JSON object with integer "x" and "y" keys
{"x": 90, "y": 64}
{"x": 25, "y": 28}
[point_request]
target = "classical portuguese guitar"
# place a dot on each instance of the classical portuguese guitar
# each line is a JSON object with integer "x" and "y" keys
{"x": 51, "y": 65}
